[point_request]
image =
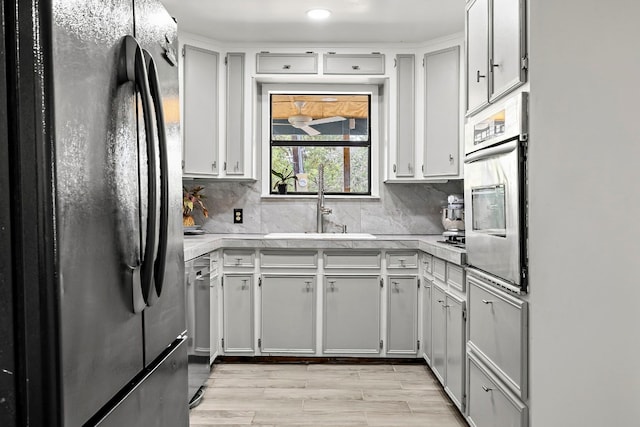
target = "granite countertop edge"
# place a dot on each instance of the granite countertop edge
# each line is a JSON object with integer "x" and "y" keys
{"x": 195, "y": 246}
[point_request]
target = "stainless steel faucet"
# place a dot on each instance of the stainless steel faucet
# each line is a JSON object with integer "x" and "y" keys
{"x": 321, "y": 209}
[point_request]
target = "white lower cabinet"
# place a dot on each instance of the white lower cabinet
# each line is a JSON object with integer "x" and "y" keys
{"x": 215, "y": 315}
{"x": 448, "y": 342}
{"x": 237, "y": 312}
{"x": 439, "y": 333}
{"x": 351, "y": 314}
{"x": 288, "y": 314}
{"x": 402, "y": 316}
{"x": 426, "y": 342}
{"x": 455, "y": 359}
{"x": 489, "y": 403}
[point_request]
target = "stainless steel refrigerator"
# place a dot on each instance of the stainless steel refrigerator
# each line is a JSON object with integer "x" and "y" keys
{"x": 92, "y": 317}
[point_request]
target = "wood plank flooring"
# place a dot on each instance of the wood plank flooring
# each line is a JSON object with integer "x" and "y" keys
{"x": 240, "y": 394}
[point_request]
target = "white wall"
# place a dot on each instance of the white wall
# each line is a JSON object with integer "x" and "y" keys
{"x": 585, "y": 213}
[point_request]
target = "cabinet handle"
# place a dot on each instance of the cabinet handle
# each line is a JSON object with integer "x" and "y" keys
{"x": 479, "y": 76}
{"x": 441, "y": 301}
{"x": 487, "y": 389}
{"x": 214, "y": 165}
{"x": 225, "y": 166}
{"x": 244, "y": 284}
{"x": 409, "y": 167}
{"x": 286, "y": 67}
{"x": 238, "y": 260}
{"x": 451, "y": 158}
{"x": 394, "y": 168}
{"x": 355, "y": 67}
{"x": 308, "y": 283}
{"x": 401, "y": 261}
{"x": 332, "y": 285}
{"x": 486, "y": 301}
{"x": 237, "y": 166}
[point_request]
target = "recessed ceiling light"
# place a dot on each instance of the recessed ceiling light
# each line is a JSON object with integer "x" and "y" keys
{"x": 318, "y": 13}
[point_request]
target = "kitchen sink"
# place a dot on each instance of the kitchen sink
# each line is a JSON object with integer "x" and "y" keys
{"x": 321, "y": 236}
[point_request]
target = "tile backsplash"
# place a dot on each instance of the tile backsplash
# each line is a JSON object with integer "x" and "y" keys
{"x": 401, "y": 209}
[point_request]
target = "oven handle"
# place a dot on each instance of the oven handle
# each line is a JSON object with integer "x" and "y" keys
{"x": 493, "y": 151}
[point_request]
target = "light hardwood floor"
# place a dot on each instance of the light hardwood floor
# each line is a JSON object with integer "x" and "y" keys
{"x": 324, "y": 395}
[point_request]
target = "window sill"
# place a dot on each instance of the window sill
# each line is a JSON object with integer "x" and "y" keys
{"x": 291, "y": 197}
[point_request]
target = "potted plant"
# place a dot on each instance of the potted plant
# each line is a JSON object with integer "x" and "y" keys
{"x": 192, "y": 199}
{"x": 283, "y": 180}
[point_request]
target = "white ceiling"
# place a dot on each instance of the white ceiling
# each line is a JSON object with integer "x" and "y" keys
{"x": 352, "y": 21}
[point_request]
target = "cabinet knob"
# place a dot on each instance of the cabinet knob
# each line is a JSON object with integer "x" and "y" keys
{"x": 479, "y": 76}
{"x": 355, "y": 67}
{"x": 286, "y": 67}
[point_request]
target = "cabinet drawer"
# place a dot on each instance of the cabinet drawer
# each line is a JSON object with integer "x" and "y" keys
{"x": 498, "y": 332}
{"x": 352, "y": 259}
{"x": 238, "y": 258}
{"x": 440, "y": 269}
{"x": 402, "y": 259}
{"x": 353, "y": 64}
{"x": 299, "y": 259}
{"x": 286, "y": 63}
{"x": 427, "y": 264}
{"x": 490, "y": 404}
{"x": 455, "y": 277}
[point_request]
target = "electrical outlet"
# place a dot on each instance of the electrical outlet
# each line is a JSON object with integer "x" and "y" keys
{"x": 237, "y": 216}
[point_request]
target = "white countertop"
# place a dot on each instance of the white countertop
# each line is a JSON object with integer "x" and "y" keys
{"x": 195, "y": 246}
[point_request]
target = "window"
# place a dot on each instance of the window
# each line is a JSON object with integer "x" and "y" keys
{"x": 332, "y": 129}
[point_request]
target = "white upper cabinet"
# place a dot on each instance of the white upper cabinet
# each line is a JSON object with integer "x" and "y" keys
{"x": 353, "y": 63}
{"x": 442, "y": 113}
{"x": 477, "y": 26}
{"x": 508, "y": 59}
{"x": 200, "y": 94}
{"x": 286, "y": 63}
{"x": 406, "y": 134}
{"x": 234, "y": 164}
{"x": 496, "y": 50}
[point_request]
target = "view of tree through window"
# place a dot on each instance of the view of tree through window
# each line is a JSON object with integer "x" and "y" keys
{"x": 333, "y": 130}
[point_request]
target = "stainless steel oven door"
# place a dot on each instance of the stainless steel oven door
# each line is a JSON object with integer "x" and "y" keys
{"x": 494, "y": 221}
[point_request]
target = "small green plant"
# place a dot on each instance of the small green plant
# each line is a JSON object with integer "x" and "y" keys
{"x": 283, "y": 179}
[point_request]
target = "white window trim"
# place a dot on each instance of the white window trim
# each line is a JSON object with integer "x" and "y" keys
{"x": 320, "y": 89}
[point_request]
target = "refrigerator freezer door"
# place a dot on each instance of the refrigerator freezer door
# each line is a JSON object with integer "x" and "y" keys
{"x": 165, "y": 317}
{"x": 160, "y": 400}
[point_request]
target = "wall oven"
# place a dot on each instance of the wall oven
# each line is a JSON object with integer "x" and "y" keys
{"x": 495, "y": 192}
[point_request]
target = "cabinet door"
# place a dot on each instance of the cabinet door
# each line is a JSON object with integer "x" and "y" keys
{"x": 288, "y": 314}
{"x": 442, "y": 113}
{"x": 237, "y": 308}
{"x": 406, "y": 138}
{"x": 427, "y": 289}
{"x": 200, "y": 97}
{"x": 215, "y": 316}
{"x": 507, "y": 47}
{"x": 455, "y": 349}
{"x": 352, "y": 314}
{"x": 353, "y": 64}
{"x": 477, "y": 38}
{"x": 438, "y": 331}
{"x": 402, "y": 321}
{"x": 286, "y": 63}
{"x": 234, "y": 164}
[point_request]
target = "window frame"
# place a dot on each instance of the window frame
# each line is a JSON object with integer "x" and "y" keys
{"x": 371, "y": 90}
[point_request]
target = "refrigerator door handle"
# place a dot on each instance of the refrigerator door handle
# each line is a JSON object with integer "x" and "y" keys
{"x": 156, "y": 98}
{"x": 133, "y": 69}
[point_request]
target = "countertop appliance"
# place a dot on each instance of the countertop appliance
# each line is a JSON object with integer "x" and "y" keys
{"x": 453, "y": 220}
{"x": 91, "y": 233}
{"x": 197, "y": 289}
{"x": 495, "y": 191}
